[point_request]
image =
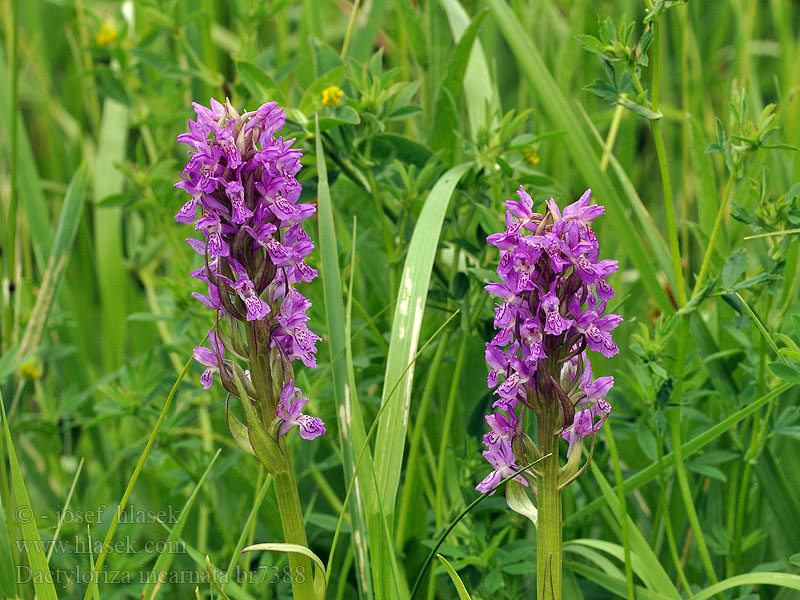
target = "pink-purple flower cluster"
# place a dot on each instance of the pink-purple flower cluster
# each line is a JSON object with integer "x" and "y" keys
{"x": 241, "y": 177}
{"x": 551, "y": 303}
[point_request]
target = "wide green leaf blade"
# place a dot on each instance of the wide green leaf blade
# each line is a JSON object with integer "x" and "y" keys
{"x": 406, "y": 325}
{"x": 399, "y": 376}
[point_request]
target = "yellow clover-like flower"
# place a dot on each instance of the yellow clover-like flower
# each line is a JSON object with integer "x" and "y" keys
{"x": 107, "y": 34}
{"x": 332, "y": 95}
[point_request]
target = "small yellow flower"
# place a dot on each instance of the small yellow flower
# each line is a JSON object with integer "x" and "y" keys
{"x": 31, "y": 369}
{"x": 107, "y": 34}
{"x": 529, "y": 154}
{"x": 332, "y": 95}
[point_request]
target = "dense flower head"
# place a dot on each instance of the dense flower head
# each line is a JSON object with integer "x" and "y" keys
{"x": 550, "y": 308}
{"x": 244, "y": 195}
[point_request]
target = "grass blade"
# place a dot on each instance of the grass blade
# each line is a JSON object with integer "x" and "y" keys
{"x": 460, "y": 588}
{"x": 406, "y": 326}
{"x": 42, "y": 583}
{"x": 785, "y": 580}
{"x": 351, "y": 426}
{"x": 614, "y": 585}
{"x": 111, "y": 270}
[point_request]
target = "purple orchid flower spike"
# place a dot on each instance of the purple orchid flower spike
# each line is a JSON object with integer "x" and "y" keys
{"x": 552, "y": 297}
{"x": 242, "y": 177}
{"x": 289, "y": 411}
{"x": 253, "y": 254}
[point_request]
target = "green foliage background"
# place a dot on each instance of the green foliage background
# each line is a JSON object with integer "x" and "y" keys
{"x": 702, "y": 210}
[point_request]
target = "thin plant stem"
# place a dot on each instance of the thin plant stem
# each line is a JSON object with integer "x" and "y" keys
{"x": 11, "y": 216}
{"x": 661, "y": 153}
{"x": 712, "y": 240}
{"x": 350, "y": 26}
{"x": 680, "y": 466}
{"x": 673, "y": 548}
{"x": 749, "y": 460}
{"x": 623, "y": 511}
{"x": 683, "y": 17}
{"x": 613, "y": 130}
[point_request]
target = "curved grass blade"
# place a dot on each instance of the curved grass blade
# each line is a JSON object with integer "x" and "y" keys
{"x": 463, "y": 594}
{"x": 320, "y": 581}
{"x": 784, "y": 580}
{"x": 405, "y": 332}
{"x": 455, "y": 522}
{"x": 652, "y": 573}
{"x": 614, "y": 585}
{"x": 30, "y": 532}
{"x": 351, "y": 423}
{"x": 406, "y": 325}
{"x": 372, "y": 430}
{"x": 618, "y": 552}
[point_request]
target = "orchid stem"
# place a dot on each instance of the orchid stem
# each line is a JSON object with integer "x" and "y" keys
{"x": 294, "y": 531}
{"x": 548, "y": 532}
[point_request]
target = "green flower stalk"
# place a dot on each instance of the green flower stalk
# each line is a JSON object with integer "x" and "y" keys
{"x": 242, "y": 178}
{"x": 553, "y": 295}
